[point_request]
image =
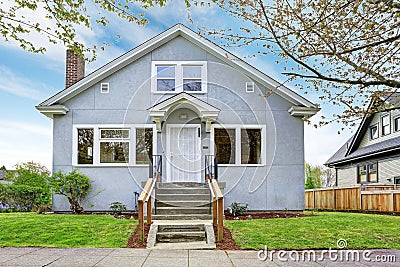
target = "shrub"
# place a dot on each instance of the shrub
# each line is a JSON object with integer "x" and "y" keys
{"x": 21, "y": 197}
{"x": 117, "y": 208}
{"x": 74, "y": 185}
{"x": 238, "y": 209}
{"x": 34, "y": 175}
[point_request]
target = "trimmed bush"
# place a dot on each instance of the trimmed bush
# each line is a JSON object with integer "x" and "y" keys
{"x": 21, "y": 197}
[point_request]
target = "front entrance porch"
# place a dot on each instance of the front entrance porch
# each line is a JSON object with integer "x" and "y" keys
{"x": 187, "y": 210}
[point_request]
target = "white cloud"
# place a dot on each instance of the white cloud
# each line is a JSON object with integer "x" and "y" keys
{"x": 20, "y": 86}
{"x": 22, "y": 142}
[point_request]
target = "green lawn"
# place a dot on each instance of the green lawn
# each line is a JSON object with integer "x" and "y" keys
{"x": 361, "y": 231}
{"x": 64, "y": 230}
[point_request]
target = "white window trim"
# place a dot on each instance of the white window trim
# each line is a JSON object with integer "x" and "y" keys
{"x": 179, "y": 76}
{"x": 377, "y": 129}
{"x": 397, "y": 117}
{"x": 101, "y": 88}
{"x": 252, "y": 85}
{"x": 238, "y": 144}
{"x": 96, "y": 141}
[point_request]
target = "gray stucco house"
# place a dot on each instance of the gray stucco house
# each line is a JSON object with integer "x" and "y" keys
{"x": 372, "y": 154}
{"x": 180, "y": 96}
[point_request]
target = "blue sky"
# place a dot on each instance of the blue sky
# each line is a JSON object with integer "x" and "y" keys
{"x": 27, "y": 79}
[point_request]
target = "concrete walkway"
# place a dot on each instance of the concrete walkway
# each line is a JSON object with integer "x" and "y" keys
{"x": 10, "y": 256}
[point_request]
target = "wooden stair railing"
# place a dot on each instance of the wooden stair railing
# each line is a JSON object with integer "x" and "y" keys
{"x": 217, "y": 207}
{"x": 145, "y": 197}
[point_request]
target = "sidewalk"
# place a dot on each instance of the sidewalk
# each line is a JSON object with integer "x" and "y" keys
{"x": 10, "y": 256}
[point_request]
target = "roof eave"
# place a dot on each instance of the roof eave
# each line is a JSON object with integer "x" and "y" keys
{"x": 304, "y": 112}
{"x": 50, "y": 111}
{"x": 332, "y": 164}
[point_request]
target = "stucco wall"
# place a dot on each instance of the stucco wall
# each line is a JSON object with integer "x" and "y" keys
{"x": 277, "y": 185}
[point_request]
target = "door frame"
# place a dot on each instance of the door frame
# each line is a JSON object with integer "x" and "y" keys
{"x": 168, "y": 147}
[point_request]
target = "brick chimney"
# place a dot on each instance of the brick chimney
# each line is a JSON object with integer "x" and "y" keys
{"x": 74, "y": 68}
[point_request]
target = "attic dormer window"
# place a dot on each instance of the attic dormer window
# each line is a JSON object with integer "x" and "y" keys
{"x": 373, "y": 132}
{"x": 179, "y": 76}
{"x": 385, "y": 121}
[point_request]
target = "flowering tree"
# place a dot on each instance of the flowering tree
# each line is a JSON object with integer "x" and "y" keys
{"x": 346, "y": 50}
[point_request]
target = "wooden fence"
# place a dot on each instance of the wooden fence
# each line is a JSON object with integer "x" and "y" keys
{"x": 382, "y": 198}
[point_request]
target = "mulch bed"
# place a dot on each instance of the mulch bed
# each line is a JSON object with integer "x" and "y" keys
{"x": 227, "y": 243}
{"x": 133, "y": 241}
{"x": 265, "y": 215}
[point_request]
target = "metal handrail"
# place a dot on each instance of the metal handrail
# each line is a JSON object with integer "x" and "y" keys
{"x": 155, "y": 170}
{"x": 211, "y": 167}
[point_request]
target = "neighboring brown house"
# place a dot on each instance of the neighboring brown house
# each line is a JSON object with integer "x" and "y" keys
{"x": 372, "y": 154}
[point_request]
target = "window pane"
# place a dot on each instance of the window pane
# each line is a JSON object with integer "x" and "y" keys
{"x": 144, "y": 145}
{"x": 114, "y": 133}
{"x": 362, "y": 174}
{"x": 386, "y": 125}
{"x": 191, "y": 85}
{"x": 85, "y": 146}
{"x": 372, "y": 172}
{"x": 165, "y": 85}
{"x": 397, "y": 124}
{"x": 165, "y": 71}
{"x": 251, "y": 146}
{"x": 114, "y": 152}
{"x": 224, "y": 140}
{"x": 191, "y": 71}
{"x": 374, "y": 132}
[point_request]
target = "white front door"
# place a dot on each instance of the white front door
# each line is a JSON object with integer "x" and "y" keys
{"x": 183, "y": 153}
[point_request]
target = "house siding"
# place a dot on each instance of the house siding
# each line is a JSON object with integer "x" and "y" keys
{"x": 277, "y": 185}
{"x": 388, "y": 169}
{"x": 366, "y": 141}
{"x": 346, "y": 176}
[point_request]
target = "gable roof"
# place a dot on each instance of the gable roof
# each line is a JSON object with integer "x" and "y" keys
{"x": 350, "y": 151}
{"x": 387, "y": 99}
{"x": 161, "y": 39}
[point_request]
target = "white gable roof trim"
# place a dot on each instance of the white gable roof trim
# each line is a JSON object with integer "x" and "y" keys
{"x": 157, "y": 41}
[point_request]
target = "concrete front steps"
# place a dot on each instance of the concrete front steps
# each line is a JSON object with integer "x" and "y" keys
{"x": 182, "y": 217}
{"x": 193, "y": 234}
{"x": 182, "y": 201}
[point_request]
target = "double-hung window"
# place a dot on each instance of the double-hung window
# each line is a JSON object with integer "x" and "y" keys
{"x": 179, "y": 76}
{"x": 239, "y": 145}
{"x": 109, "y": 145}
{"x": 385, "y": 122}
{"x": 367, "y": 173}
{"x": 165, "y": 78}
